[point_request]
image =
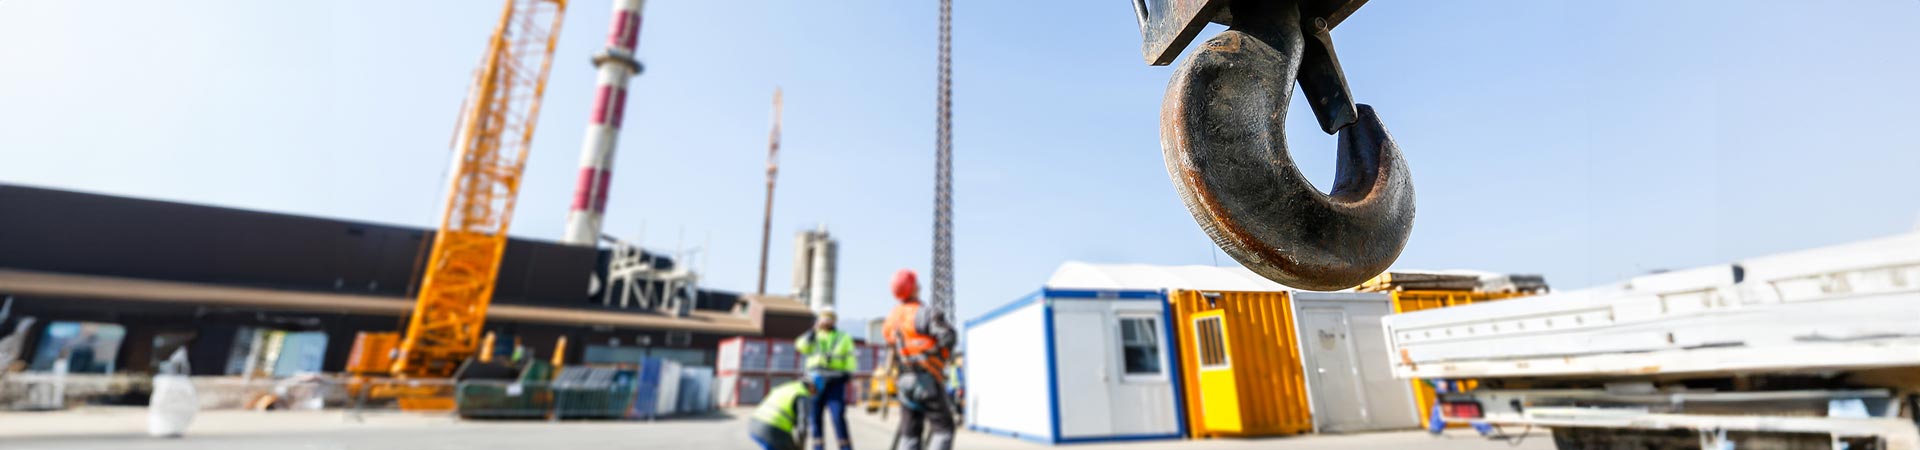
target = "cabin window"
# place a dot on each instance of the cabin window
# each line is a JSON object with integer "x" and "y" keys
{"x": 1140, "y": 345}
{"x": 1212, "y": 343}
{"x": 86, "y": 347}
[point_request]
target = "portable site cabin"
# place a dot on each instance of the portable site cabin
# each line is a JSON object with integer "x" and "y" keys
{"x": 1105, "y": 368}
{"x": 1074, "y": 362}
{"x": 1264, "y": 363}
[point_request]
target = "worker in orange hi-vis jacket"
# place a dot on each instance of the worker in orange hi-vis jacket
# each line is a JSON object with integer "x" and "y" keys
{"x": 920, "y": 342}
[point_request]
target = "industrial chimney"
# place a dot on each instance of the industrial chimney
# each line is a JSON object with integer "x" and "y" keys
{"x": 616, "y": 64}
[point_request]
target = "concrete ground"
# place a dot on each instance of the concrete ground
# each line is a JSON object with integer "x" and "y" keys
{"x": 123, "y": 428}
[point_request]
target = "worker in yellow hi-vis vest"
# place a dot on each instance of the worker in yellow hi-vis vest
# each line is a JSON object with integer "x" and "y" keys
{"x": 830, "y": 364}
{"x": 772, "y": 423}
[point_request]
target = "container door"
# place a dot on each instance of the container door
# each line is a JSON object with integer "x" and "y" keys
{"x": 1334, "y": 378}
{"x": 1142, "y": 379}
{"x": 1085, "y": 374}
{"x": 1219, "y": 392}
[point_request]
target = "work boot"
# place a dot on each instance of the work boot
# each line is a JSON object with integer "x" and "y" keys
{"x": 940, "y": 441}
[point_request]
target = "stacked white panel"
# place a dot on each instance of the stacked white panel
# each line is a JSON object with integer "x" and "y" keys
{"x": 668, "y": 399}
{"x": 696, "y": 390}
{"x": 1848, "y": 306}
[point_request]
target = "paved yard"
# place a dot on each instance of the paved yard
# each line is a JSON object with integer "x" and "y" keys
{"x": 122, "y": 428}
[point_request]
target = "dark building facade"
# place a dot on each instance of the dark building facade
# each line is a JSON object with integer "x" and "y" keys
{"x": 172, "y": 274}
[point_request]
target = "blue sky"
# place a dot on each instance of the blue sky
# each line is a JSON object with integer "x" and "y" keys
{"x": 1588, "y": 141}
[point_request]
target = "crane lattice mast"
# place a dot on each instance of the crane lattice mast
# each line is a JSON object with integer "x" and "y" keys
{"x": 943, "y": 179}
{"x": 490, "y": 151}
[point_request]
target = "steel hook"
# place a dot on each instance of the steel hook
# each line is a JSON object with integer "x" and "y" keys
{"x": 1223, "y": 132}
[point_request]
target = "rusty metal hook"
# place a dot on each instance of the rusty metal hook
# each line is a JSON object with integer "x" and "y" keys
{"x": 1223, "y": 131}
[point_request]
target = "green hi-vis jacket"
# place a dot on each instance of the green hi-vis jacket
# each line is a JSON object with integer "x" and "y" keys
{"x": 827, "y": 350}
{"x": 777, "y": 409}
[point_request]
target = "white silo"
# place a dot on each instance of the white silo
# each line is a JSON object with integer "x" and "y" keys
{"x": 815, "y": 259}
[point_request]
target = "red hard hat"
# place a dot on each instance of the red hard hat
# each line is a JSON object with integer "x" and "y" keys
{"x": 905, "y": 284}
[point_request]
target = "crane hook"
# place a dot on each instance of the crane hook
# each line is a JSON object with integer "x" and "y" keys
{"x": 1223, "y": 132}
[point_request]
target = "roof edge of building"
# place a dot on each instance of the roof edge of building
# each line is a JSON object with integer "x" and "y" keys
{"x": 83, "y": 286}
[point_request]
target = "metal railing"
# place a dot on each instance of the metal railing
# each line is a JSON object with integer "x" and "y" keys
{"x": 385, "y": 395}
{"x": 545, "y": 400}
{"x": 52, "y": 391}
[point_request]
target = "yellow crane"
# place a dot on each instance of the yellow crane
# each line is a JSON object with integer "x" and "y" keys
{"x": 490, "y": 150}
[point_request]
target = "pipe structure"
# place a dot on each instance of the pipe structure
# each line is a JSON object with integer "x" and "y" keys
{"x": 616, "y": 65}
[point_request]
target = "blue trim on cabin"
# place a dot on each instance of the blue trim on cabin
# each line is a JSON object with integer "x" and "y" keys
{"x": 1046, "y": 296}
{"x": 964, "y": 350}
{"x": 1174, "y": 367}
{"x": 1053, "y": 366}
{"x": 1005, "y": 309}
{"x": 1101, "y": 294}
{"x": 1118, "y": 438}
{"x": 1011, "y": 434}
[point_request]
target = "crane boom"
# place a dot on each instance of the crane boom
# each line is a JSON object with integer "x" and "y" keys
{"x": 490, "y": 150}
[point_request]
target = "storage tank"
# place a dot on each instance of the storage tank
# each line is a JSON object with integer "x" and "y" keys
{"x": 826, "y": 254}
{"x": 815, "y": 259}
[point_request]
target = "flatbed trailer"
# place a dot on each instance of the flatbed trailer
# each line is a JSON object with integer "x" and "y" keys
{"x": 1810, "y": 349}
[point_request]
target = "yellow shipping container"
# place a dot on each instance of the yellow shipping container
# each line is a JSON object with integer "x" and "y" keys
{"x": 1240, "y": 369}
{"x": 1410, "y": 301}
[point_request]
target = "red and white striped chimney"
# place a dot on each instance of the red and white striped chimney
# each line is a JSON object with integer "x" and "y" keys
{"x": 616, "y": 64}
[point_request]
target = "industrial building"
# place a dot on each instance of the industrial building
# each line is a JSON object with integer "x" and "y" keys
{"x": 117, "y": 283}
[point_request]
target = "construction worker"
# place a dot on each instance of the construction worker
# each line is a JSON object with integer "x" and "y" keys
{"x": 830, "y": 363}
{"x": 772, "y": 423}
{"x": 920, "y": 342}
{"x": 957, "y": 384}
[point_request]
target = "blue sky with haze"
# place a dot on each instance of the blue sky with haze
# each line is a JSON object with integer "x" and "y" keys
{"x": 1585, "y": 140}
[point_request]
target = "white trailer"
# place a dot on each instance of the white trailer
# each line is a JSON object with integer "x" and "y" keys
{"x": 1811, "y": 349}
